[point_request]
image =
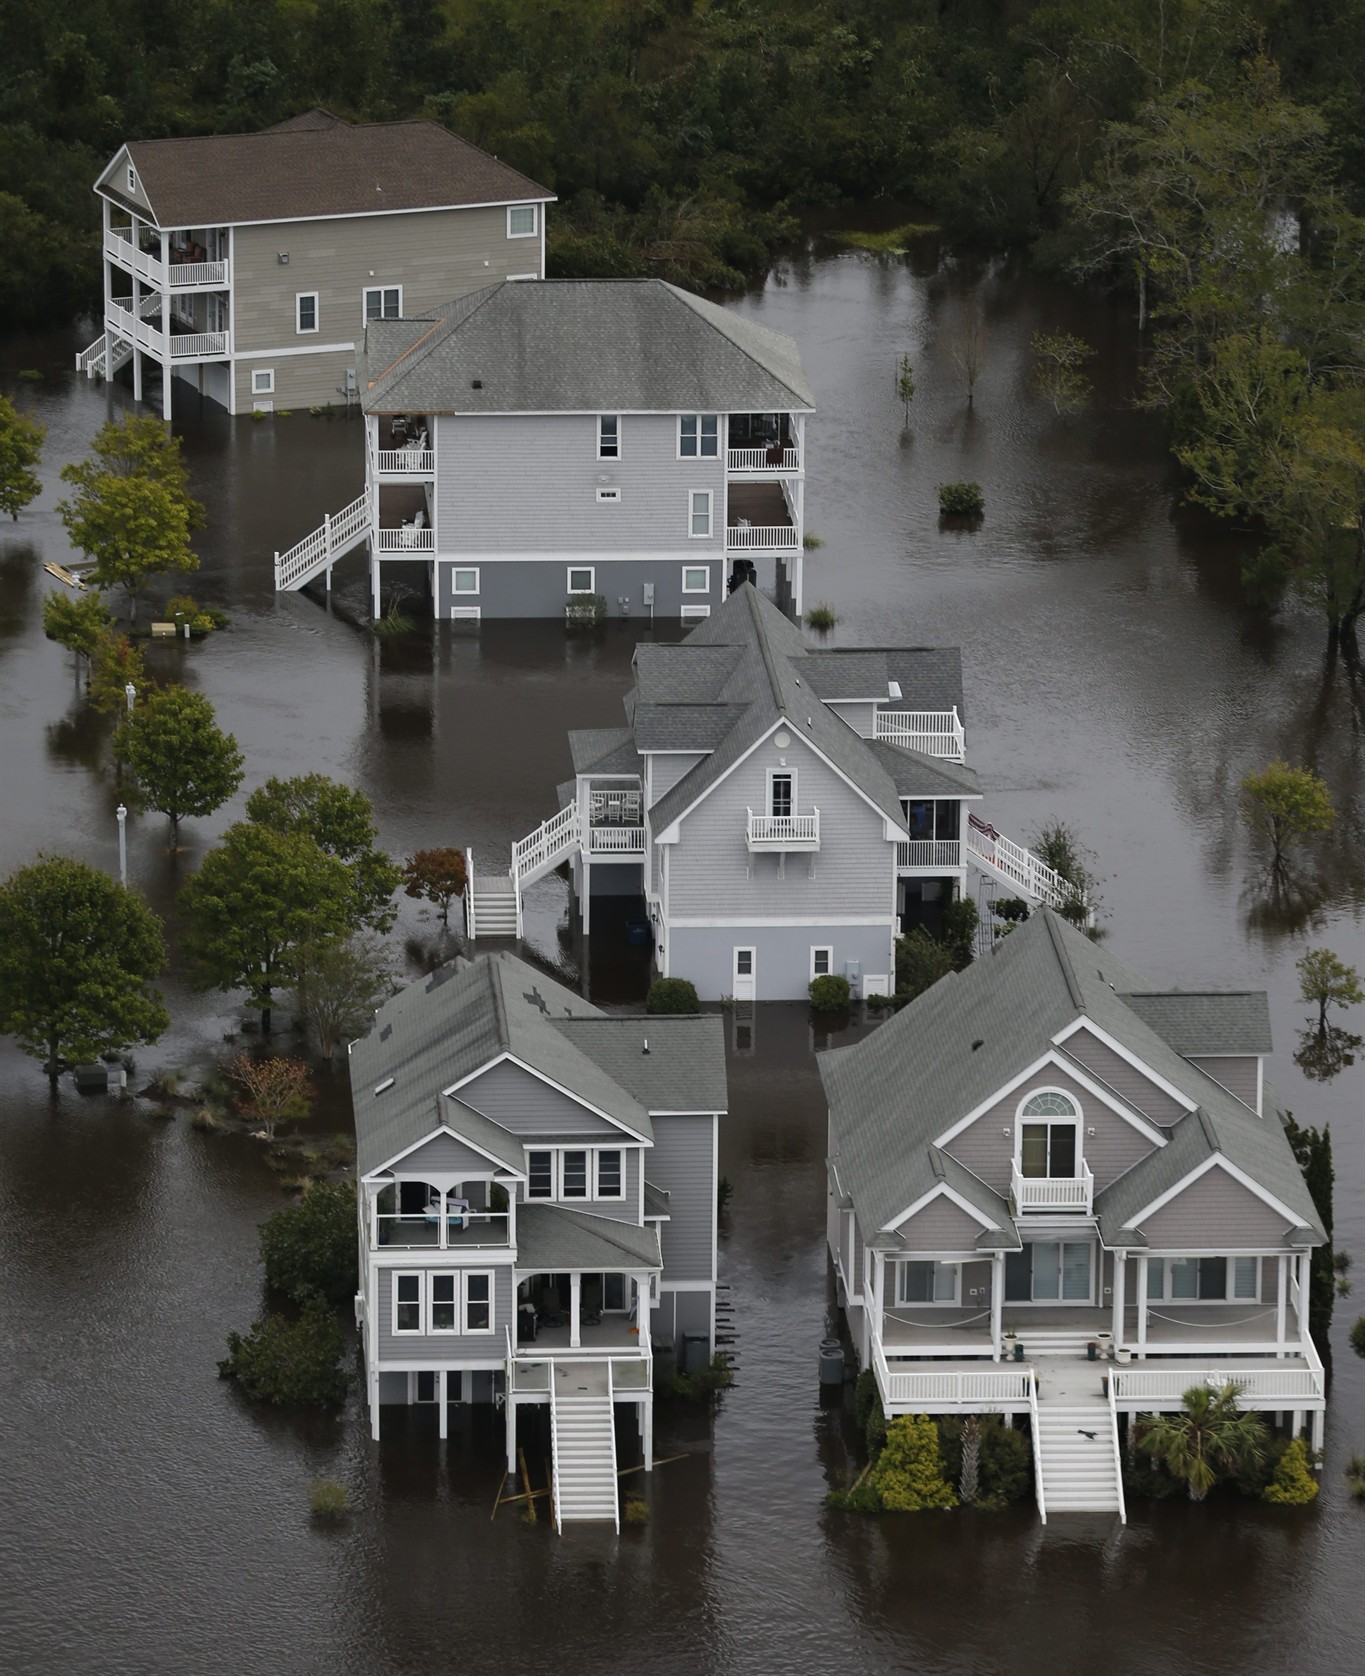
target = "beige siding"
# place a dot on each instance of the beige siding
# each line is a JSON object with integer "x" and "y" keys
{"x": 1138, "y": 1090}
{"x": 1238, "y": 1073}
{"x": 988, "y": 1151}
{"x": 940, "y": 1226}
{"x": 711, "y": 873}
{"x": 1215, "y": 1213}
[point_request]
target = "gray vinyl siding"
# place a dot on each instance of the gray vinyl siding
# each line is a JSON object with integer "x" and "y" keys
{"x": 667, "y": 768}
{"x": 976, "y": 1277}
{"x": 940, "y": 1226}
{"x": 1139, "y": 1091}
{"x": 859, "y": 1259}
{"x": 437, "y": 1348}
{"x": 1238, "y": 1073}
{"x": 860, "y": 717}
{"x": 684, "y": 1164}
{"x": 443, "y": 1154}
{"x": 514, "y": 588}
{"x": 527, "y": 483}
{"x": 525, "y": 1105}
{"x": 620, "y": 1210}
{"x": 1215, "y": 1213}
{"x": 712, "y": 874}
{"x": 988, "y": 1151}
{"x": 705, "y": 955}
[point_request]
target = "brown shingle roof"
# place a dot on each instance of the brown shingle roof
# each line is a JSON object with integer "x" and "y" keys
{"x": 311, "y": 167}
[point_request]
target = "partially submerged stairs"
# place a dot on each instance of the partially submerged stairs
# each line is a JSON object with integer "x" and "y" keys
{"x": 493, "y": 900}
{"x": 583, "y": 1439}
{"x": 338, "y": 534}
{"x": 1076, "y": 1457}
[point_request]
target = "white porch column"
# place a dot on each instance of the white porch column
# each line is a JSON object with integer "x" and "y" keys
{"x": 997, "y": 1302}
{"x": 575, "y": 1298}
{"x": 876, "y": 1325}
{"x": 1120, "y": 1286}
{"x": 1296, "y": 1423}
{"x": 1305, "y": 1262}
{"x": 441, "y": 1400}
{"x": 1319, "y": 1427}
{"x": 509, "y": 1409}
{"x": 374, "y": 1403}
{"x": 1281, "y": 1299}
{"x": 647, "y": 1431}
{"x": 1142, "y": 1305}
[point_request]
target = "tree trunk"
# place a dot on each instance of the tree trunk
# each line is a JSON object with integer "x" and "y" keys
{"x": 54, "y": 1068}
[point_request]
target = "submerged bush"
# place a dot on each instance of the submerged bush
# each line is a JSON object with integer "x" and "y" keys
{"x": 822, "y": 617}
{"x": 960, "y": 920}
{"x": 286, "y": 1360}
{"x": 961, "y": 500}
{"x": 829, "y": 994}
{"x": 672, "y": 995}
{"x": 908, "y": 1476}
{"x": 920, "y": 963}
{"x": 635, "y": 1511}
{"x": 328, "y": 1500}
{"x": 1293, "y": 1485}
{"x": 310, "y": 1248}
{"x": 1006, "y": 1469}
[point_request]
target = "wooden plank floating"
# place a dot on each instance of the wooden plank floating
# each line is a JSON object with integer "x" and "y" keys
{"x": 64, "y": 575}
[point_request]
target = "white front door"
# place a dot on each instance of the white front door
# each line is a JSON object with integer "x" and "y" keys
{"x": 745, "y": 978}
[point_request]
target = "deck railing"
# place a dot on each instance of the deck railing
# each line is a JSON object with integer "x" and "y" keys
{"x": 616, "y": 840}
{"x": 1053, "y": 1192}
{"x": 1020, "y": 866}
{"x": 750, "y": 537}
{"x": 338, "y": 533}
{"x": 406, "y": 462}
{"x": 119, "y": 247}
{"x": 936, "y": 733}
{"x": 1038, "y": 1494}
{"x": 929, "y": 854}
{"x": 467, "y": 1230}
{"x": 407, "y": 538}
{"x": 762, "y": 459}
{"x": 1263, "y": 1386}
{"x": 175, "y": 346}
{"x": 784, "y": 832}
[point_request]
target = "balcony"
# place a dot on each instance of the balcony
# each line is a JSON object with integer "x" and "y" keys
{"x": 759, "y": 520}
{"x": 763, "y": 462}
{"x": 181, "y": 343}
{"x": 404, "y": 447}
{"x": 1052, "y": 1193}
{"x": 777, "y": 833}
{"x": 929, "y": 855}
{"x": 616, "y": 840}
{"x": 465, "y": 1231}
{"x": 934, "y": 733}
{"x": 175, "y": 275}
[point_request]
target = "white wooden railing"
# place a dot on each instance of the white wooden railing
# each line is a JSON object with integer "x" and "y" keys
{"x": 119, "y": 247}
{"x": 970, "y": 1392}
{"x": 616, "y": 840}
{"x": 1038, "y": 1493}
{"x": 407, "y": 462}
{"x": 1263, "y": 1386}
{"x": 622, "y": 804}
{"x": 178, "y": 346}
{"x": 1020, "y": 867}
{"x": 551, "y": 840}
{"x": 937, "y": 733}
{"x": 1053, "y": 1192}
{"x": 756, "y": 459}
{"x": 932, "y": 854}
{"x": 747, "y": 537}
{"x": 1118, "y": 1456}
{"x": 407, "y": 538}
{"x": 340, "y": 531}
{"x": 784, "y": 832}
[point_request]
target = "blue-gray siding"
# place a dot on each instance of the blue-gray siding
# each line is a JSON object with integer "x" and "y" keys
{"x": 445, "y": 1155}
{"x": 705, "y": 955}
{"x": 527, "y": 1106}
{"x": 538, "y": 588}
{"x": 435, "y": 1348}
{"x": 684, "y": 1164}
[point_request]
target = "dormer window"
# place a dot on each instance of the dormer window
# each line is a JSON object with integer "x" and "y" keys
{"x": 132, "y": 178}
{"x": 1048, "y": 1137}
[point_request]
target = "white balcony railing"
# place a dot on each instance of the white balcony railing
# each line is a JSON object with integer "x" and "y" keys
{"x": 937, "y": 1392}
{"x": 616, "y": 840}
{"x": 1262, "y": 1387}
{"x": 119, "y": 247}
{"x": 763, "y": 459}
{"x": 405, "y": 462}
{"x": 784, "y": 832}
{"x": 936, "y": 733}
{"x": 929, "y": 855}
{"x": 1053, "y": 1192}
{"x": 742, "y": 538}
{"x": 173, "y": 346}
{"x": 407, "y": 538}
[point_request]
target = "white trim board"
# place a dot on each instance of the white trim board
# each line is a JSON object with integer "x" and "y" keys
{"x": 509, "y": 1170}
{"x": 1218, "y": 1159}
{"x": 1127, "y": 1054}
{"x": 120, "y": 201}
{"x": 940, "y": 1191}
{"x": 741, "y": 922}
{"x": 1077, "y": 1073}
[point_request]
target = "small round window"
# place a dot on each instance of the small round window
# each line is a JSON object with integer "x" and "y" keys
{"x": 1048, "y": 1105}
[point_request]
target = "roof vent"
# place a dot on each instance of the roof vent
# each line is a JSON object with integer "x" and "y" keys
{"x": 646, "y": 1046}
{"x": 476, "y": 384}
{"x": 979, "y": 1042}
{"x": 893, "y": 689}
{"x": 387, "y": 1083}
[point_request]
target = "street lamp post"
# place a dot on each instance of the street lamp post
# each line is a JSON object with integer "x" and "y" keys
{"x": 122, "y": 814}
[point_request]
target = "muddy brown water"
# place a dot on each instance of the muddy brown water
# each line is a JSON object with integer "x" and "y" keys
{"x": 154, "y": 1524}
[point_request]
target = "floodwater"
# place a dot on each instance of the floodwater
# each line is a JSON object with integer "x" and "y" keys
{"x": 155, "y": 1524}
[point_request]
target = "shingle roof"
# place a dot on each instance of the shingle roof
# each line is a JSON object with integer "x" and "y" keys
{"x": 553, "y": 1238}
{"x": 954, "y": 1046}
{"x": 930, "y": 677}
{"x": 684, "y": 1070}
{"x": 311, "y": 167}
{"x": 916, "y": 775}
{"x": 580, "y": 346}
{"x": 610, "y": 750}
{"x": 482, "y": 1132}
{"x": 1197, "y": 1022}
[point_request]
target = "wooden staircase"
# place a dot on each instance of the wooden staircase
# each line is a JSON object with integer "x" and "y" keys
{"x": 103, "y": 359}
{"x": 338, "y": 534}
{"x": 583, "y": 1437}
{"x": 1076, "y": 1457}
{"x": 493, "y": 902}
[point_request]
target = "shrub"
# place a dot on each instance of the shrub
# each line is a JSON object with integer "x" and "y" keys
{"x": 285, "y": 1359}
{"x": 1293, "y": 1484}
{"x": 697, "y": 1387}
{"x": 328, "y": 1500}
{"x": 585, "y": 610}
{"x": 1358, "y": 1337}
{"x": 908, "y": 1475}
{"x": 961, "y": 500}
{"x": 635, "y": 1511}
{"x": 960, "y": 920}
{"x": 829, "y": 994}
{"x": 1355, "y": 1476}
{"x": 1012, "y": 909}
{"x": 920, "y": 962}
{"x": 1006, "y": 1470}
{"x": 672, "y": 995}
{"x": 310, "y": 1248}
{"x": 202, "y": 619}
{"x": 822, "y": 617}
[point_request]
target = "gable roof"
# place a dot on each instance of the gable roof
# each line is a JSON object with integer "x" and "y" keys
{"x": 958, "y": 1044}
{"x": 316, "y": 165}
{"x": 552, "y": 1238}
{"x": 1197, "y": 1022}
{"x": 580, "y": 346}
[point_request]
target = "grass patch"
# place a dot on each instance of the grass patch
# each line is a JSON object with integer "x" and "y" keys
{"x": 895, "y": 242}
{"x": 328, "y": 1500}
{"x": 635, "y": 1511}
{"x": 205, "y": 1119}
{"x": 822, "y": 617}
{"x": 810, "y": 542}
{"x": 30, "y": 375}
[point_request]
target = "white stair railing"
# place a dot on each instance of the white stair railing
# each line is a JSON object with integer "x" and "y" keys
{"x": 339, "y": 532}
{"x": 470, "y": 919}
{"x": 554, "y": 1457}
{"x": 1118, "y": 1458}
{"x": 550, "y": 841}
{"x": 1039, "y": 1494}
{"x": 1016, "y": 865}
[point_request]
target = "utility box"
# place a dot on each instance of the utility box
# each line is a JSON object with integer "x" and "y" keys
{"x": 696, "y": 1353}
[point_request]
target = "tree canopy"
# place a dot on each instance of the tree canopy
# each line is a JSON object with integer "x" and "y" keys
{"x": 340, "y": 821}
{"x": 21, "y": 447}
{"x": 182, "y": 763}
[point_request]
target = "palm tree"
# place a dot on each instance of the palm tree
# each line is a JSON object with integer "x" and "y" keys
{"x": 1211, "y": 1435}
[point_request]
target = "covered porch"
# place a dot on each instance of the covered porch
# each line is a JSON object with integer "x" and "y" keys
{"x": 582, "y": 1282}
{"x": 759, "y": 519}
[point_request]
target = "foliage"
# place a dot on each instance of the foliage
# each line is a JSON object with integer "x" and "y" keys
{"x": 1312, "y": 1149}
{"x": 328, "y": 1500}
{"x": 76, "y": 621}
{"x": 868, "y": 1412}
{"x": 340, "y": 983}
{"x": 1293, "y": 1484}
{"x": 21, "y": 447}
{"x": 822, "y": 617}
{"x": 115, "y": 664}
{"x": 905, "y": 385}
{"x": 968, "y": 349}
{"x": 78, "y": 954}
{"x": 672, "y": 995}
{"x": 585, "y": 611}
{"x": 272, "y": 1091}
{"x": 1286, "y": 806}
{"x": 635, "y": 1511}
{"x": 340, "y": 821}
{"x": 960, "y": 920}
{"x": 1328, "y": 981}
{"x": 139, "y": 445}
{"x": 1006, "y": 1464}
{"x": 1210, "y": 1436}
{"x": 908, "y": 1475}
{"x": 1358, "y": 1337}
{"x": 829, "y": 993}
{"x": 181, "y": 762}
{"x": 702, "y": 1385}
{"x": 1057, "y": 377}
{"x": 291, "y": 1360}
{"x": 311, "y": 1247}
{"x": 437, "y": 876}
{"x": 183, "y": 609}
{"x": 133, "y": 528}
{"x": 961, "y": 500}
{"x": 1355, "y": 1476}
{"x": 920, "y": 962}
{"x": 255, "y": 901}
{"x": 1057, "y": 846}
{"x": 395, "y": 620}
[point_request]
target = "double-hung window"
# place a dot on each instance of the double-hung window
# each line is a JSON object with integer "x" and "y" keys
{"x": 540, "y": 1173}
{"x": 460, "y": 1301}
{"x": 306, "y": 311}
{"x": 821, "y": 962}
{"x": 407, "y": 1303}
{"x": 383, "y": 302}
{"x": 576, "y": 1173}
{"x": 698, "y": 436}
{"x": 608, "y": 436}
{"x": 609, "y": 1173}
{"x": 699, "y": 505}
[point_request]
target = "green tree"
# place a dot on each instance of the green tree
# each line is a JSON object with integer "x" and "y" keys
{"x": 340, "y": 821}
{"x": 1312, "y": 1149}
{"x": 138, "y": 445}
{"x": 1210, "y": 1435}
{"x": 905, "y": 386}
{"x": 1326, "y": 981}
{"x": 182, "y": 763}
{"x": 272, "y": 1090}
{"x": 1292, "y": 1484}
{"x": 78, "y": 954}
{"x": 310, "y": 1248}
{"x": 1057, "y": 846}
{"x": 1286, "y": 806}
{"x": 115, "y": 664}
{"x": 920, "y": 962}
{"x": 291, "y": 1361}
{"x": 340, "y": 983}
{"x": 435, "y": 876}
{"x": 1057, "y": 377}
{"x": 908, "y": 1475}
{"x": 134, "y": 528}
{"x": 254, "y": 902}
{"x": 21, "y": 447}
{"x": 77, "y": 622}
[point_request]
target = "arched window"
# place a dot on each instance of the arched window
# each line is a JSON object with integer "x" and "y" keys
{"x": 1049, "y": 1124}
{"x": 1050, "y": 1104}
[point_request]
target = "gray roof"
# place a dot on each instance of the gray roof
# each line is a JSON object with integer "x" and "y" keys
{"x": 553, "y": 1238}
{"x": 656, "y": 1200}
{"x": 916, "y": 775}
{"x": 930, "y": 677}
{"x": 608, "y": 750}
{"x": 317, "y": 165}
{"x": 961, "y": 1041}
{"x": 466, "y": 1015}
{"x": 482, "y": 1132}
{"x": 580, "y": 346}
{"x": 1198, "y": 1022}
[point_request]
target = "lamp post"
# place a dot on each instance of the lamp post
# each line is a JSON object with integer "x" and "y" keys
{"x": 130, "y": 693}
{"x": 122, "y": 814}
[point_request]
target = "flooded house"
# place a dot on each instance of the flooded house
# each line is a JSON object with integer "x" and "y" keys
{"x": 616, "y": 447}
{"x": 244, "y": 267}
{"x": 783, "y": 811}
{"x": 1044, "y": 1160}
{"x": 537, "y": 1215}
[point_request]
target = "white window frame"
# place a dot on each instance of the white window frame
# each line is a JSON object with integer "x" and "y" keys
{"x": 132, "y": 178}
{"x": 466, "y": 1275}
{"x": 590, "y": 571}
{"x": 751, "y": 950}
{"x": 463, "y": 570}
{"x": 266, "y": 389}
{"x": 592, "y": 1180}
{"x": 609, "y": 497}
{"x": 300, "y": 297}
{"x": 1160, "y": 1269}
{"x": 419, "y": 1330}
{"x": 596, "y": 1183}
{"x": 818, "y": 949}
{"x": 1061, "y": 1299}
{"x": 433, "y": 1279}
{"x": 693, "y": 496}
{"x": 368, "y": 291}
{"x": 533, "y": 232}
{"x": 541, "y": 1198}
{"x": 703, "y": 570}
{"x": 903, "y": 1267}
{"x": 1059, "y": 1119}
{"x": 780, "y": 774}
{"x": 602, "y": 442}
{"x": 697, "y": 437}
{"x": 695, "y": 613}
